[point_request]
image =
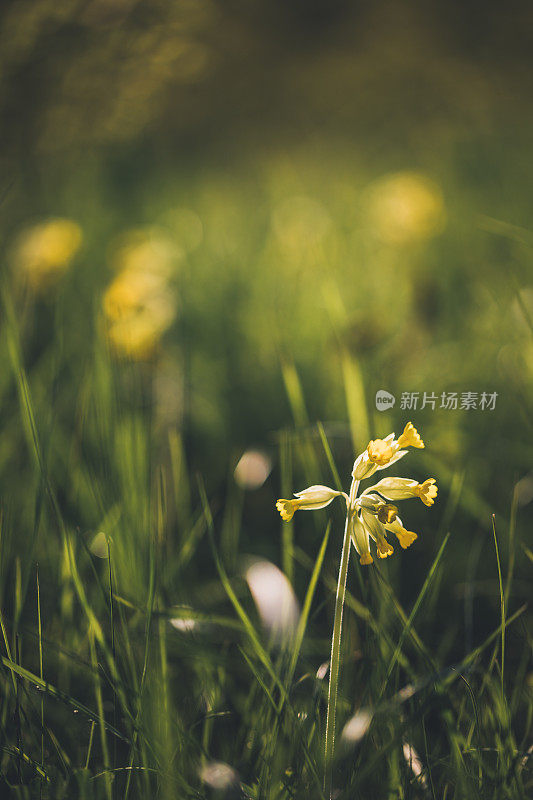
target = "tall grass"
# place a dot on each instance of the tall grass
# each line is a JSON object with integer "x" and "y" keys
{"x": 134, "y": 660}
{"x": 102, "y": 697}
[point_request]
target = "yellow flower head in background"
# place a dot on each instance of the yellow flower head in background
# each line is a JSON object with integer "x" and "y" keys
{"x": 44, "y": 252}
{"x": 370, "y": 517}
{"x": 406, "y": 207}
{"x": 140, "y": 303}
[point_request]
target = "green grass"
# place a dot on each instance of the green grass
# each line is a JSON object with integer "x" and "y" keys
{"x": 103, "y": 697}
{"x": 131, "y": 669}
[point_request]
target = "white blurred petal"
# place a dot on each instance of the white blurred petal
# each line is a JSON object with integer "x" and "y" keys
{"x": 274, "y": 597}
{"x": 183, "y": 625}
{"x": 411, "y": 756}
{"x": 218, "y": 775}
{"x": 322, "y": 671}
{"x": 184, "y": 622}
{"x": 98, "y": 546}
{"x": 253, "y": 469}
{"x": 357, "y": 726}
{"x": 407, "y": 692}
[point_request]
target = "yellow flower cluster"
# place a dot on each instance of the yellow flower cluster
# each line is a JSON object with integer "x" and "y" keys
{"x": 371, "y": 516}
{"x": 139, "y": 304}
{"x": 44, "y": 252}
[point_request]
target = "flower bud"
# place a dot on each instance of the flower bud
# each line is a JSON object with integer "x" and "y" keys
{"x": 310, "y": 499}
{"x": 360, "y": 539}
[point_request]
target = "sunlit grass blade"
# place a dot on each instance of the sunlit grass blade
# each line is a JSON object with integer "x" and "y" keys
{"x": 306, "y": 609}
{"x": 502, "y": 605}
{"x": 329, "y": 456}
{"x": 41, "y": 673}
{"x": 287, "y": 529}
{"x": 248, "y": 626}
{"x": 56, "y": 693}
{"x": 355, "y": 400}
{"x": 257, "y": 647}
{"x": 414, "y": 610}
{"x": 100, "y": 714}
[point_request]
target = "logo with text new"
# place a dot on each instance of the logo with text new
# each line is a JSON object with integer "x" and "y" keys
{"x": 384, "y": 400}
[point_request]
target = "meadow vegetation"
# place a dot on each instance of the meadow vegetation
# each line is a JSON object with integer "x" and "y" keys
{"x": 200, "y": 299}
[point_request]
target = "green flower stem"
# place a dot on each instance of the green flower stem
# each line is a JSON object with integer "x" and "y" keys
{"x": 336, "y": 641}
{"x": 335, "y": 657}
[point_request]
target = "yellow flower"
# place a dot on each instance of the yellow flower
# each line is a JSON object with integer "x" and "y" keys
{"x": 404, "y": 488}
{"x": 406, "y": 207}
{"x": 139, "y": 306}
{"x": 427, "y": 491}
{"x": 130, "y": 292}
{"x": 43, "y": 252}
{"x": 410, "y": 437}
{"x": 386, "y": 512}
{"x": 136, "y": 336}
{"x": 383, "y": 453}
{"x": 369, "y": 515}
{"x": 384, "y": 548}
{"x": 379, "y": 452}
{"x": 287, "y": 508}
{"x": 360, "y": 539}
{"x": 310, "y": 499}
{"x": 405, "y": 537}
{"x": 376, "y": 530}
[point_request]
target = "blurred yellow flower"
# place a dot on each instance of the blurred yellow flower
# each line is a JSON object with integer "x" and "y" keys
{"x": 43, "y": 252}
{"x": 406, "y": 207}
{"x": 133, "y": 292}
{"x": 135, "y": 336}
{"x": 139, "y": 304}
{"x": 144, "y": 250}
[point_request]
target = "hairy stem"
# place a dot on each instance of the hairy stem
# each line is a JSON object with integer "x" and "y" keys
{"x": 335, "y": 656}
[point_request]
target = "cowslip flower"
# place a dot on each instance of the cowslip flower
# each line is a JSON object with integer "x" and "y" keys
{"x": 383, "y": 453}
{"x": 405, "y": 537}
{"x": 310, "y": 499}
{"x": 372, "y": 515}
{"x": 360, "y": 539}
{"x": 404, "y": 488}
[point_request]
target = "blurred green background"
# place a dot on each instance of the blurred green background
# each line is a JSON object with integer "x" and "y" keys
{"x": 224, "y": 222}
